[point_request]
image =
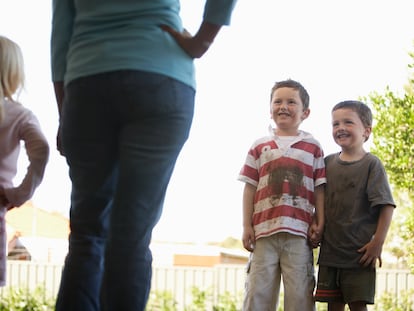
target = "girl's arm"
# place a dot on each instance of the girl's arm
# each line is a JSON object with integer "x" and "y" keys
{"x": 37, "y": 149}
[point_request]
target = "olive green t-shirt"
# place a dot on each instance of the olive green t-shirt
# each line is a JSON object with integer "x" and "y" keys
{"x": 355, "y": 193}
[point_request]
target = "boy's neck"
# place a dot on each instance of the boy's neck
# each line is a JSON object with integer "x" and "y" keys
{"x": 352, "y": 155}
{"x": 286, "y": 132}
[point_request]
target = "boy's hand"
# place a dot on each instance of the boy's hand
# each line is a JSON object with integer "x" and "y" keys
{"x": 315, "y": 235}
{"x": 371, "y": 252}
{"x": 248, "y": 238}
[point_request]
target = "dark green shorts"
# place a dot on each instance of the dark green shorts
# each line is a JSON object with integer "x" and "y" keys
{"x": 345, "y": 285}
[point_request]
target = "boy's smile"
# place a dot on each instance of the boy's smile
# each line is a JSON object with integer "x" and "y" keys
{"x": 283, "y": 112}
{"x": 342, "y": 135}
{"x": 287, "y": 111}
{"x": 348, "y": 130}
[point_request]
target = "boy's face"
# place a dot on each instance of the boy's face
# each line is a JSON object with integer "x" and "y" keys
{"x": 348, "y": 131}
{"x": 287, "y": 111}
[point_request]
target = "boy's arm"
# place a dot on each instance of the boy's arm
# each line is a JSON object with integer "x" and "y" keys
{"x": 372, "y": 250}
{"x": 248, "y": 231}
{"x": 316, "y": 229}
{"x": 320, "y": 206}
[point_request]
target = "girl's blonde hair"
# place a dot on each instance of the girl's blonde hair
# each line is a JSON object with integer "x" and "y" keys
{"x": 11, "y": 71}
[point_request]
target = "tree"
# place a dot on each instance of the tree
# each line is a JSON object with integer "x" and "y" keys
{"x": 393, "y": 142}
{"x": 394, "y": 136}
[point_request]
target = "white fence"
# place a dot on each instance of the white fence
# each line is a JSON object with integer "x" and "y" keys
{"x": 179, "y": 281}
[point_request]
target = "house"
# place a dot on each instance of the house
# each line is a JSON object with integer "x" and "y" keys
{"x": 196, "y": 255}
{"x": 41, "y": 236}
{"x": 36, "y": 234}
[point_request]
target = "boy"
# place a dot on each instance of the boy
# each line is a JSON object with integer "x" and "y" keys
{"x": 358, "y": 212}
{"x": 284, "y": 176}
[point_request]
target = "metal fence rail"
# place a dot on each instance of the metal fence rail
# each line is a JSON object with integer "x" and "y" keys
{"x": 179, "y": 281}
{"x": 31, "y": 275}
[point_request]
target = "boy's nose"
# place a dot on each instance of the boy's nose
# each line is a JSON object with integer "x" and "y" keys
{"x": 283, "y": 105}
{"x": 340, "y": 127}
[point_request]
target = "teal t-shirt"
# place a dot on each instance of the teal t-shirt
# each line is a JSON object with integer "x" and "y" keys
{"x": 95, "y": 36}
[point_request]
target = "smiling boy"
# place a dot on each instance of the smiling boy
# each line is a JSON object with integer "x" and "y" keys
{"x": 358, "y": 211}
{"x": 284, "y": 176}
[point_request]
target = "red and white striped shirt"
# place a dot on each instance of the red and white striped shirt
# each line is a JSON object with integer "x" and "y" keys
{"x": 285, "y": 178}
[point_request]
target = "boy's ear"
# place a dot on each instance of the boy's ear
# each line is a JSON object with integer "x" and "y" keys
{"x": 367, "y": 132}
{"x": 305, "y": 114}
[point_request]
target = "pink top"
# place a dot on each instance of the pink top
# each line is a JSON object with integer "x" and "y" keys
{"x": 20, "y": 124}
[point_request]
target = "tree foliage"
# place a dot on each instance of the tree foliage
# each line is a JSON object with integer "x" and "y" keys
{"x": 393, "y": 139}
{"x": 394, "y": 136}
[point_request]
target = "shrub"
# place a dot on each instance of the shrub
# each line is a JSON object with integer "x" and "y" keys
{"x": 161, "y": 301}
{"x": 390, "y": 301}
{"x": 19, "y": 299}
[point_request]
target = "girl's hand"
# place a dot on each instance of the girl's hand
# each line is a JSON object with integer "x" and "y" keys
{"x": 3, "y": 199}
{"x": 4, "y": 202}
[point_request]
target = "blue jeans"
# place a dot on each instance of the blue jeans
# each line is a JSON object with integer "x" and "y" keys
{"x": 122, "y": 133}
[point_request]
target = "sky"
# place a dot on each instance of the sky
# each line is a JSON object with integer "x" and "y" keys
{"x": 337, "y": 49}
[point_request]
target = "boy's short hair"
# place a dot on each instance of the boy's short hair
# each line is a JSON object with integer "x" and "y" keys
{"x": 303, "y": 94}
{"x": 363, "y": 111}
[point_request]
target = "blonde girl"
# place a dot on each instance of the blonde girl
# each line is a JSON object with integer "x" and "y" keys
{"x": 17, "y": 124}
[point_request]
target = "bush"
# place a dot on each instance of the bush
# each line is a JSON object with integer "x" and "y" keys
{"x": 226, "y": 302}
{"x": 18, "y": 299}
{"x": 390, "y": 301}
{"x": 161, "y": 301}
{"x": 201, "y": 299}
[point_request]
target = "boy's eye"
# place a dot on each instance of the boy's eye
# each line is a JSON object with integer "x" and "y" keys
{"x": 334, "y": 124}
{"x": 280, "y": 102}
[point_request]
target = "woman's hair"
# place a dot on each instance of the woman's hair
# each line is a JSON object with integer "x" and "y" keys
{"x": 11, "y": 70}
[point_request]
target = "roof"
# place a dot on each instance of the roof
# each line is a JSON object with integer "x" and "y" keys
{"x": 170, "y": 253}
{"x": 31, "y": 221}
